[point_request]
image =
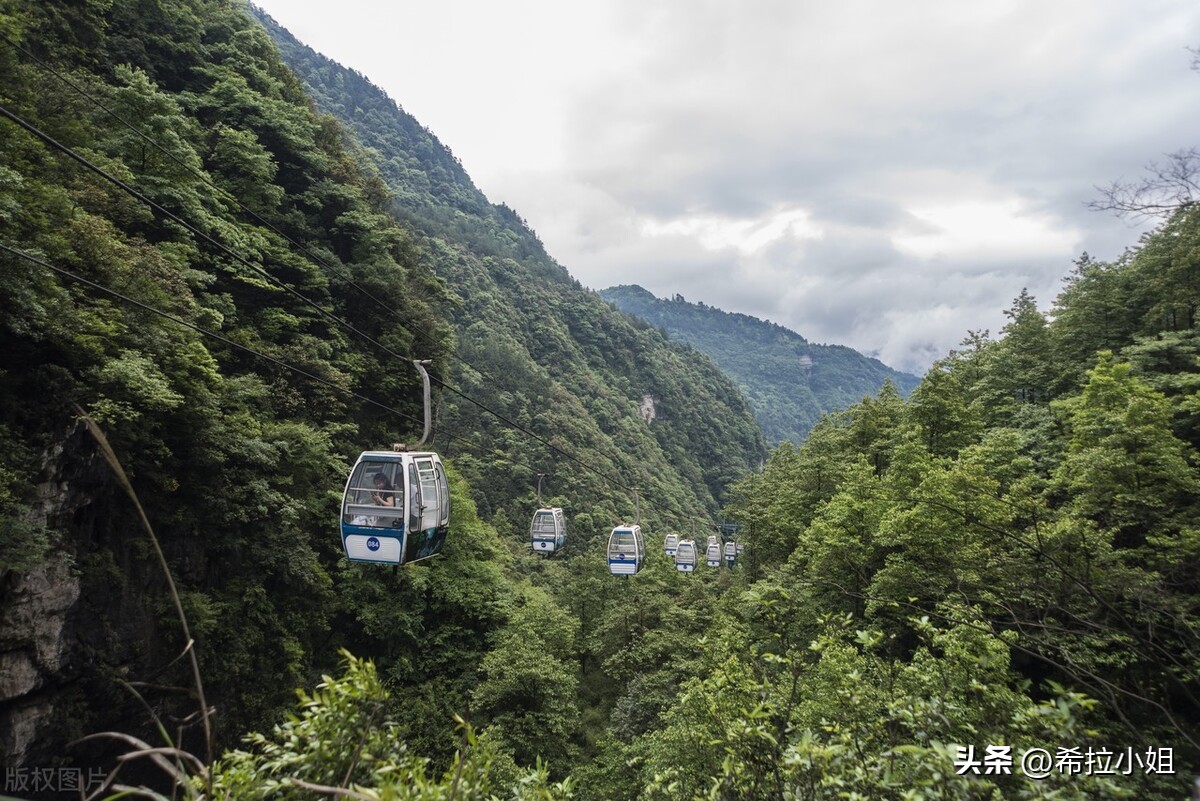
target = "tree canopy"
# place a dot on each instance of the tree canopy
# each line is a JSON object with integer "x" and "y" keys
{"x": 1004, "y": 562}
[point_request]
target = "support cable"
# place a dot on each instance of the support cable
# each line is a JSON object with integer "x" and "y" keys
{"x": 202, "y": 176}
{"x": 46, "y": 138}
{"x": 201, "y": 330}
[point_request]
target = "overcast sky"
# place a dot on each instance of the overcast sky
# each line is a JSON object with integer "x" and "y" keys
{"x": 885, "y": 175}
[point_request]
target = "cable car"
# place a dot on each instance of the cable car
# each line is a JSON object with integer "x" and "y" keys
{"x": 626, "y": 550}
{"x": 396, "y": 508}
{"x": 731, "y": 552}
{"x": 685, "y": 556}
{"x": 396, "y": 505}
{"x": 670, "y": 543}
{"x": 712, "y": 554}
{"x": 548, "y": 531}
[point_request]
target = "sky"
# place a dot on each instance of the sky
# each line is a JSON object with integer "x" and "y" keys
{"x": 883, "y": 175}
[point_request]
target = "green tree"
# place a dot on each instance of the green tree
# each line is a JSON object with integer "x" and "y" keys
{"x": 526, "y": 695}
{"x": 342, "y": 738}
{"x": 1125, "y": 469}
{"x": 942, "y": 409}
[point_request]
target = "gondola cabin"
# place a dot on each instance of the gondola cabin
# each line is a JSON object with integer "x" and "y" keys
{"x": 712, "y": 554}
{"x": 670, "y": 543}
{"x": 731, "y": 552}
{"x": 626, "y": 550}
{"x": 548, "y": 531}
{"x": 685, "y": 556}
{"x": 396, "y": 508}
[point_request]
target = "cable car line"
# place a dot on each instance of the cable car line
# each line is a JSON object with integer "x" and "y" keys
{"x": 626, "y": 541}
{"x": 315, "y": 258}
{"x": 349, "y": 326}
{"x": 201, "y": 330}
{"x": 133, "y": 192}
{"x": 635, "y": 546}
{"x": 245, "y": 209}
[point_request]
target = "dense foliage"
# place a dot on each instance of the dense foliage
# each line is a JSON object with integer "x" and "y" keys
{"x": 1007, "y": 558}
{"x": 538, "y": 348}
{"x": 789, "y": 382}
{"x": 253, "y": 218}
{"x": 236, "y": 456}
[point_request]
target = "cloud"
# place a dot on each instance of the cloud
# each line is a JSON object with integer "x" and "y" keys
{"x": 747, "y": 235}
{"x": 884, "y": 175}
{"x": 888, "y": 176}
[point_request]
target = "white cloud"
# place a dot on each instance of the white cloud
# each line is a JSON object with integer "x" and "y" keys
{"x": 983, "y": 231}
{"x": 884, "y": 175}
{"x": 747, "y": 235}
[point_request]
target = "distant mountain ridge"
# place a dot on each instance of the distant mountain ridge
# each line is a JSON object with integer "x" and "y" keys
{"x": 789, "y": 381}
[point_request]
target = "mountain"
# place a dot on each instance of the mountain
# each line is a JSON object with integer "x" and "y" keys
{"x": 537, "y": 345}
{"x": 789, "y": 381}
{"x": 230, "y": 285}
{"x": 218, "y": 275}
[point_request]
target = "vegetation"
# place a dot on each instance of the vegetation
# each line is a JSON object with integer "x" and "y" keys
{"x": 789, "y": 382}
{"x": 233, "y": 206}
{"x": 1006, "y": 559}
{"x": 538, "y": 348}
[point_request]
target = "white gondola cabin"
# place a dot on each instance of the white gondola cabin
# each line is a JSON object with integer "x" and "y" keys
{"x": 712, "y": 554}
{"x": 685, "y": 556}
{"x": 670, "y": 543}
{"x": 731, "y": 551}
{"x": 396, "y": 508}
{"x": 626, "y": 550}
{"x": 548, "y": 531}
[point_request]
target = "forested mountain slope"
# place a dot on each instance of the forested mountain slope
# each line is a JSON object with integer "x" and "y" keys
{"x": 547, "y": 351}
{"x": 930, "y": 572}
{"x": 160, "y": 161}
{"x": 960, "y": 570}
{"x": 1008, "y": 559}
{"x": 237, "y": 457}
{"x": 789, "y": 381}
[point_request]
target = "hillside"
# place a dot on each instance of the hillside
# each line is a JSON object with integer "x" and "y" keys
{"x": 214, "y": 272}
{"x": 789, "y": 381}
{"x": 218, "y": 275}
{"x": 536, "y": 345}
{"x": 186, "y": 282}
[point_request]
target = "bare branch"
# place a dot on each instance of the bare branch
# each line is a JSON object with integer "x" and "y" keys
{"x": 1167, "y": 187}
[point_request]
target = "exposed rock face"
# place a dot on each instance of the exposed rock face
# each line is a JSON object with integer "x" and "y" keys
{"x": 18, "y": 674}
{"x": 87, "y": 617}
{"x": 647, "y": 409}
{"x": 36, "y": 608}
{"x": 33, "y": 648}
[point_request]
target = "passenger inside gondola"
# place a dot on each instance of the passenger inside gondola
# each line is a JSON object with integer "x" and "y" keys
{"x": 384, "y": 494}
